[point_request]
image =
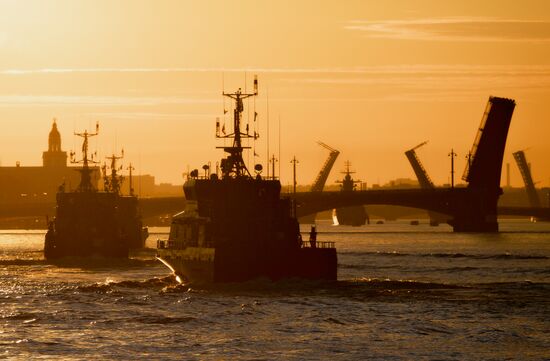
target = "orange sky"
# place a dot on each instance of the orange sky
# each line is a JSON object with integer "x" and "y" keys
{"x": 370, "y": 78}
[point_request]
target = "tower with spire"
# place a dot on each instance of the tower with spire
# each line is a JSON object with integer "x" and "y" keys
{"x": 54, "y": 156}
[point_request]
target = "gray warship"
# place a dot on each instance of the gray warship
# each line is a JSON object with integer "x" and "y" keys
{"x": 350, "y": 216}
{"x": 93, "y": 223}
{"x": 237, "y": 227}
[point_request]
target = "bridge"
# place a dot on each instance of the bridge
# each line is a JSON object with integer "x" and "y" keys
{"x": 449, "y": 201}
{"x": 472, "y": 208}
{"x": 445, "y": 200}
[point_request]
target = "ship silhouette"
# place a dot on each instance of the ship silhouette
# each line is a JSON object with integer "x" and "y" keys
{"x": 355, "y": 215}
{"x": 93, "y": 223}
{"x": 236, "y": 227}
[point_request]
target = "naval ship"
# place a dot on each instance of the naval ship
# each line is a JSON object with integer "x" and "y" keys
{"x": 350, "y": 216}
{"x": 93, "y": 223}
{"x": 236, "y": 227}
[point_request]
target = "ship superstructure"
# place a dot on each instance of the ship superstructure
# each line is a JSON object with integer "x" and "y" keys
{"x": 352, "y": 216}
{"x": 90, "y": 222}
{"x": 236, "y": 227}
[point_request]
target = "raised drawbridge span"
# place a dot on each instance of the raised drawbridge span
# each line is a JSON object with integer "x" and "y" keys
{"x": 472, "y": 208}
{"x": 321, "y": 179}
{"x": 424, "y": 180}
{"x": 525, "y": 171}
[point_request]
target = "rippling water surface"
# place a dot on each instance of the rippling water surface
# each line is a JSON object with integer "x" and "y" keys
{"x": 404, "y": 292}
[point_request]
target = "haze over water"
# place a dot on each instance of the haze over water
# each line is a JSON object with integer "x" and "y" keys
{"x": 403, "y": 292}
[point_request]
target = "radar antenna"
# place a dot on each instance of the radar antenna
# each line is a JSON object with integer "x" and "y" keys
{"x": 113, "y": 183}
{"x": 348, "y": 183}
{"x": 233, "y": 166}
{"x": 85, "y": 173}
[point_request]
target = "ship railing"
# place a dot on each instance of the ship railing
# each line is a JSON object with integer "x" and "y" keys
{"x": 317, "y": 244}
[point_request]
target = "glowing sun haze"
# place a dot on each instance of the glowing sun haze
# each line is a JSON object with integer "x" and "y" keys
{"x": 370, "y": 78}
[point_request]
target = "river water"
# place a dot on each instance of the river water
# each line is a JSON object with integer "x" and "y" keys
{"x": 403, "y": 292}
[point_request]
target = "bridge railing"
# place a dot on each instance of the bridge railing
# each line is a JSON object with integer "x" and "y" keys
{"x": 317, "y": 244}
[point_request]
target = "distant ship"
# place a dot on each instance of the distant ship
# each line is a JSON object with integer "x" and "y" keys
{"x": 236, "y": 227}
{"x": 93, "y": 223}
{"x": 350, "y": 216}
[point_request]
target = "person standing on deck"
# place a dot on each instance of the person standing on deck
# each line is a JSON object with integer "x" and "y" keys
{"x": 313, "y": 237}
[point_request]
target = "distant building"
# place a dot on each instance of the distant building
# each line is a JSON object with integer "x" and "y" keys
{"x": 143, "y": 185}
{"x": 168, "y": 190}
{"x": 41, "y": 183}
{"x": 54, "y": 156}
{"x": 402, "y": 183}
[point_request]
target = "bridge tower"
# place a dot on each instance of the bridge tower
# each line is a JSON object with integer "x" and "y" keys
{"x": 322, "y": 177}
{"x": 424, "y": 181}
{"x": 523, "y": 166}
{"x": 421, "y": 173}
{"x": 476, "y": 211}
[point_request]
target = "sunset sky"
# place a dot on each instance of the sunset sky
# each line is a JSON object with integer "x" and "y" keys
{"x": 370, "y": 78}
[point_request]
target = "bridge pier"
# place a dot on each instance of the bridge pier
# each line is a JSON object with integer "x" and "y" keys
{"x": 476, "y": 211}
{"x": 477, "y": 223}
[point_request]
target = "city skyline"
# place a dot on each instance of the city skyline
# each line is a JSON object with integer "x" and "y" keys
{"x": 370, "y": 79}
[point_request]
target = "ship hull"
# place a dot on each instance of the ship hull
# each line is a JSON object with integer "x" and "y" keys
{"x": 84, "y": 246}
{"x": 93, "y": 224}
{"x": 192, "y": 264}
{"x": 352, "y": 216}
{"x": 208, "y": 265}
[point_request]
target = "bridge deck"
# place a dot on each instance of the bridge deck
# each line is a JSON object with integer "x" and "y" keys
{"x": 416, "y": 198}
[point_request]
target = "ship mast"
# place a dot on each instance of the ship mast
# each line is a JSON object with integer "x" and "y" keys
{"x": 348, "y": 166}
{"x": 348, "y": 183}
{"x": 130, "y": 169}
{"x": 85, "y": 173}
{"x": 233, "y": 166}
{"x": 113, "y": 183}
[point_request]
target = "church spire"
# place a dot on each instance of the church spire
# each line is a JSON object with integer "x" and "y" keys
{"x": 54, "y": 157}
{"x": 54, "y": 140}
